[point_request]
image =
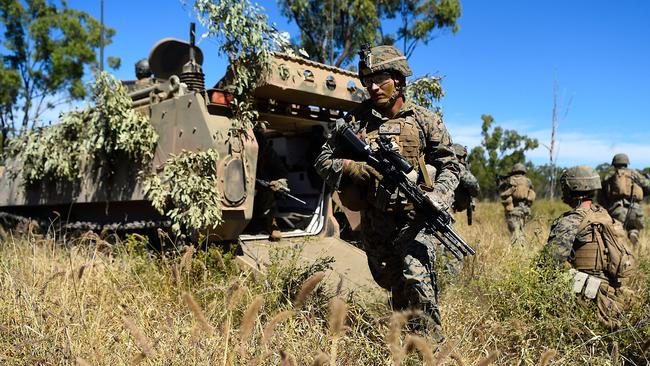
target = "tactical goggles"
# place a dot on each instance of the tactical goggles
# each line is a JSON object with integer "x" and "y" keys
{"x": 378, "y": 79}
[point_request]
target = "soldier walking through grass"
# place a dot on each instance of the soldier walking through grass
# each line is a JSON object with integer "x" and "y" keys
{"x": 400, "y": 253}
{"x": 622, "y": 195}
{"x": 594, "y": 245}
{"x": 468, "y": 187}
{"x": 517, "y": 196}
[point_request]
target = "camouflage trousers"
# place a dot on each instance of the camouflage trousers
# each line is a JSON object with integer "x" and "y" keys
{"x": 516, "y": 219}
{"x": 629, "y": 214}
{"x": 401, "y": 259}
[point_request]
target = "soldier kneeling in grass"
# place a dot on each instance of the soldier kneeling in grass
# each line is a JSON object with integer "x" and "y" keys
{"x": 593, "y": 245}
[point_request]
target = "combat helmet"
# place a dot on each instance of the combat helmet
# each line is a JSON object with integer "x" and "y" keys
{"x": 142, "y": 69}
{"x": 459, "y": 150}
{"x": 519, "y": 168}
{"x": 621, "y": 159}
{"x": 580, "y": 179}
{"x": 382, "y": 58}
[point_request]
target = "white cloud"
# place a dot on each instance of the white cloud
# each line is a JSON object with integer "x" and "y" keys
{"x": 575, "y": 148}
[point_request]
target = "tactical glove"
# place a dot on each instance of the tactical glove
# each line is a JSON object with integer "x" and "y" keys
{"x": 360, "y": 172}
{"x": 279, "y": 185}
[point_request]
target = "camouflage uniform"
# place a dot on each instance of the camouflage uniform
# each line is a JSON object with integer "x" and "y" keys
{"x": 468, "y": 187}
{"x": 626, "y": 207}
{"x": 517, "y": 198}
{"x": 566, "y": 239}
{"x": 582, "y": 240}
{"x": 400, "y": 253}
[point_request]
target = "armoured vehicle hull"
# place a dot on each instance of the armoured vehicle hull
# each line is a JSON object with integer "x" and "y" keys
{"x": 299, "y": 100}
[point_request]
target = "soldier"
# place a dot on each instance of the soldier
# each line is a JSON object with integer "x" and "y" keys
{"x": 468, "y": 187}
{"x": 143, "y": 74}
{"x": 622, "y": 193}
{"x": 517, "y": 195}
{"x": 590, "y": 242}
{"x": 272, "y": 170}
{"x": 400, "y": 253}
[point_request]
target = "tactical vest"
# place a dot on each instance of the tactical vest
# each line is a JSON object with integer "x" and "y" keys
{"x": 621, "y": 185}
{"x": 405, "y": 134}
{"x": 601, "y": 245}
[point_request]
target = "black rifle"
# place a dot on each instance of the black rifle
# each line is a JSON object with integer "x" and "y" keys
{"x": 470, "y": 210}
{"x": 394, "y": 169}
{"x": 282, "y": 192}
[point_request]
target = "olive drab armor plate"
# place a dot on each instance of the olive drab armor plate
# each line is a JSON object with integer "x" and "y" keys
{"x": 621, "y": 186}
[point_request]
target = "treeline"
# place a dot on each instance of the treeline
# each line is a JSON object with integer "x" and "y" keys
{"x": 501, "y": 149}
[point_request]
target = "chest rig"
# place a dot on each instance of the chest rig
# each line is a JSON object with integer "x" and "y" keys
{"x": 406, "y": 138}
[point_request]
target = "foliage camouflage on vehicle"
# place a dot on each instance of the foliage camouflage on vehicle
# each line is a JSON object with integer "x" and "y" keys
{"x": 99, "y": 133}
{"x": 187, "y": 192}
{"x": 245, "y": 38}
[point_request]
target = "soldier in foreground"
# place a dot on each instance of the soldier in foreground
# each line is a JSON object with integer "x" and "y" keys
{"x": 592, "y": 244}
{"x": 517, "y": 196}
{"x": 272, "y": 172}
{"x": 622, "y": 194}
{"x": 468, "y": 187}
{"x": 400, "y": 252}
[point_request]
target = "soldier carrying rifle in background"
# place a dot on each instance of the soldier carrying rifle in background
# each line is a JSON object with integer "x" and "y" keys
{"x": 622, "y": 194}
{"x": 517, "y": 196}
{"x": 272, "y": 179}
{"x": 468, "y": 187}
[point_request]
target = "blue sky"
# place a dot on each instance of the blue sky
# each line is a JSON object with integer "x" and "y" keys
{"x": 503, "y": 62}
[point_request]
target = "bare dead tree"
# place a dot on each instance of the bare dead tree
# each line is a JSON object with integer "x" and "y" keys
{"x": 553, "y": 149}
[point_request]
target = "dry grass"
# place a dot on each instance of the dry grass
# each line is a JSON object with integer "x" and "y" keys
{"x": 86, "y": 302}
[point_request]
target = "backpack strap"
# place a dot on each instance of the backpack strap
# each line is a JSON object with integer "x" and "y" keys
{"x": 595, "y": 220}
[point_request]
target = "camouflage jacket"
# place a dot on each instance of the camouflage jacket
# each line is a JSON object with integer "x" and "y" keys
{"x": 435, "y": 146}
{"x": 564, "y": 237}
{"x": 468, "y": 188}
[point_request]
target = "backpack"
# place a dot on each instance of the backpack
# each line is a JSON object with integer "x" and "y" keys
{"x": 521, "y": 191}
{"x": 621, "y": 185}
{"x": 611, "y": 240}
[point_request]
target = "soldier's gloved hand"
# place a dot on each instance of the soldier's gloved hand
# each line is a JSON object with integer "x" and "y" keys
{"x": 439, "y": 201}
{"x": 278, "y": 185}
{"x": 360, "y": 172}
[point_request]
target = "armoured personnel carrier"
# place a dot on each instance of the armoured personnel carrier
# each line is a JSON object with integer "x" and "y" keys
{"x": 300, "y": 101}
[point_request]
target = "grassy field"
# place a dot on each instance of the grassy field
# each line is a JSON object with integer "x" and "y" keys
{"x": 95, "y": 300}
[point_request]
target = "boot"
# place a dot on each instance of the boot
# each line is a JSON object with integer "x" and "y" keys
{"x": 273, "y": 229}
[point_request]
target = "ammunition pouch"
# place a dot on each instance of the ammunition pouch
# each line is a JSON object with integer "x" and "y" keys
{"x": 585, "y": 284}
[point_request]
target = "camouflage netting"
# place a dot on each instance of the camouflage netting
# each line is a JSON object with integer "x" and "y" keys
{"x": 96, "y": 133}
{"x": 187, "y": 192}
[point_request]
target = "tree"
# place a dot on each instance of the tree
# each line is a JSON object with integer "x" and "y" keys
{"x": 47, "y": 48}
{"x": 499, "y": 151}
{"x": 332, "y": 31}
{"x": 604, "y": 169}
